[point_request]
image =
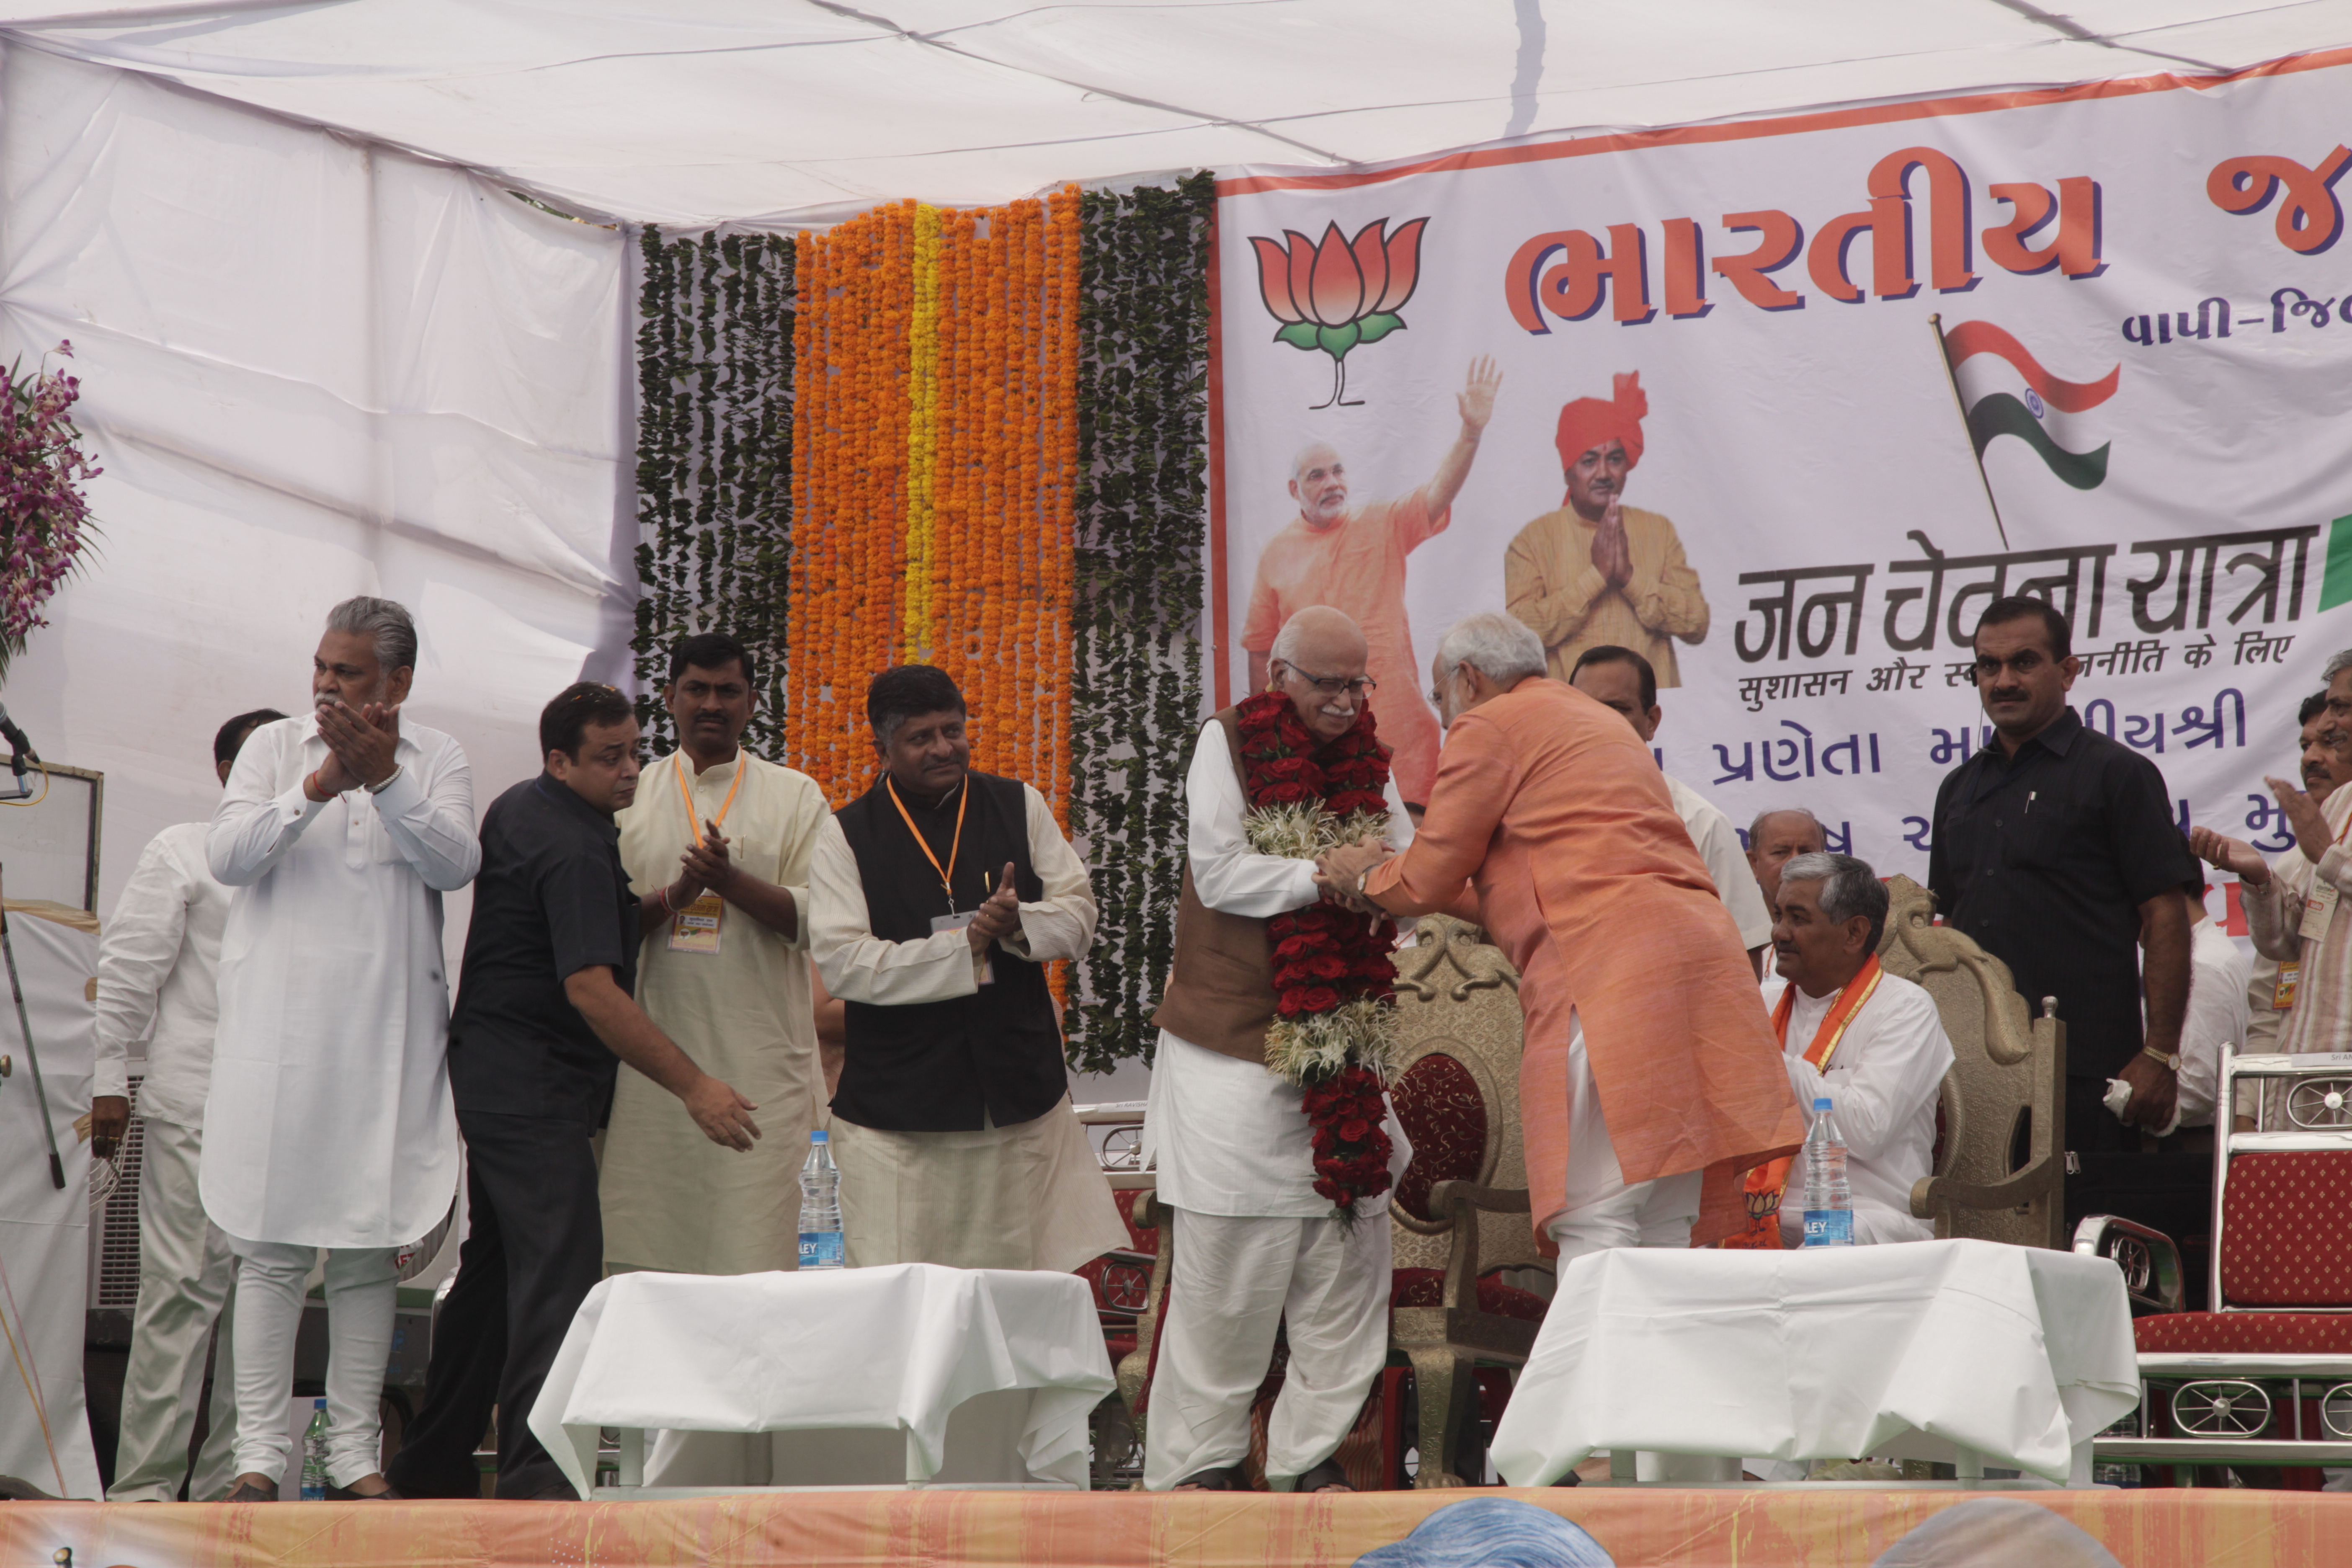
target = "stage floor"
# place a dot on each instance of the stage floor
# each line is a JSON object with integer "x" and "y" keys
{"x": 2153, "y": 1529}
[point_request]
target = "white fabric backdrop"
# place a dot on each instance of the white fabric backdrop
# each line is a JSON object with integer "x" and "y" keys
{"x": 44, "y": 1233}
{"x": 311, "y": 369}
{"x": 699, "y": 110}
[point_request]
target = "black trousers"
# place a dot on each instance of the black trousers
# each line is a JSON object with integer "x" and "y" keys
{"x": 2168, "y": 1189}
{"x": 534, "y": 1248}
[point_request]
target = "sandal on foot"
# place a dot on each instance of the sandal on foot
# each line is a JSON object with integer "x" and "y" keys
{"x": 1216, "y": 1478}
{"x": 1324, "y": 1477}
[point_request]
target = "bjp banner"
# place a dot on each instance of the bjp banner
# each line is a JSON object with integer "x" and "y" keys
{"x": 1782, "y": 405}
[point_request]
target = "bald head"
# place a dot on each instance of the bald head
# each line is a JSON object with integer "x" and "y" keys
{"x": 1776, "y": 838}
{"x": 1318, "y": 483}
{"x": 1317, "y": 661}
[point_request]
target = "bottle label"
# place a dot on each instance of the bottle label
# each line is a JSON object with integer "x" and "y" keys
{"x": 821, "y": 1249}
{"x": 1829, "y": 1228}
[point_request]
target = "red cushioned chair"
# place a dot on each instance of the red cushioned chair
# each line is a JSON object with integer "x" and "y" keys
{"x": 2266, "y": 1377}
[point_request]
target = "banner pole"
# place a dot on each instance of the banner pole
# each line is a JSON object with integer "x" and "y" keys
{"x": 1952, "y": 379}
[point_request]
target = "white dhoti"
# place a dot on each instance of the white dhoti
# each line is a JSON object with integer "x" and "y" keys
{"x": 1027, "y": 1196}
{"x": 1232, "y": 1281}
{"x": 1602, "y": 1210}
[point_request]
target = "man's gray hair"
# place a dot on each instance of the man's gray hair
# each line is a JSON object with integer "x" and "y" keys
{"x": 2336, "y": 663}
{"x": 387, "y": 623}
{"x": 1756, "y": 828}
{"x": 1501, "y": 647}
{"x": 1849, "y": 887}
{"x": 1295, "y": 631}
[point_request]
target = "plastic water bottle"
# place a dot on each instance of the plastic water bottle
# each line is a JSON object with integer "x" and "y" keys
{"x": 1829, "y": 1200}
{"x": 314, "y": 1454}
{"x": 820, "y": 1205}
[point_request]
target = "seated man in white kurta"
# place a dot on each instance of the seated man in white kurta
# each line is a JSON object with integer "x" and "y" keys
{"x": 1256, "y": 1245}
{"x": 935, "y": 901}
{"x": 329, "y": 1122}
{"x": 1869, "y": 1042}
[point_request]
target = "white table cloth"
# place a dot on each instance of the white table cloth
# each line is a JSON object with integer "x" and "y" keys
{"x": 2017, "y": 1354}
{"x": 898, "y": 1347}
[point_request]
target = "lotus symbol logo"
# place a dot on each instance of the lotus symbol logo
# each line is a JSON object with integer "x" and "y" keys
{"x": 1338, "y": 293}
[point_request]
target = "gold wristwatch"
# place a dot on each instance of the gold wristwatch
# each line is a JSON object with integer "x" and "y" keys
{"x": 2171, "y": 1062}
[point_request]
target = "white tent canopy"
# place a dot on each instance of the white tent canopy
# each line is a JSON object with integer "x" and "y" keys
{"x": 696, "y": 112}
{"x": 325, "y": 352}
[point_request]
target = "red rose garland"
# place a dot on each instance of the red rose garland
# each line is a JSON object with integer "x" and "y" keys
{"x": 1334, "y": 971}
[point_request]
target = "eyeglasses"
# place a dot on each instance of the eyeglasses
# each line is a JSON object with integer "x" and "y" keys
{"x": 1333, "y": 685}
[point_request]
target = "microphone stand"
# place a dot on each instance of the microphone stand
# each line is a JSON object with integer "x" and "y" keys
{"x": 24, "y": 1028}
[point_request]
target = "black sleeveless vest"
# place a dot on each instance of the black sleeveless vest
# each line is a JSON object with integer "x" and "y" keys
{"x": 933, "y": 1066}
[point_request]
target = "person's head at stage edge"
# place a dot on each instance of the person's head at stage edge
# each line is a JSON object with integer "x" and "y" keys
{"x": 920, "y": 723}
{"x": 1827, "y": 923}
{"x": 1599, "y": 441}
{"x": 230, "y": 738}
{"x": 1317, "y": 661}
{"x": 1481, "y": 658}
{"x": 1777, "y": 838}
{"x": 1318, "y": 483}
{"x": 1620, "y": 678}
{"x": 367, "y": 655}
{"x": 709, "y": 696}
{"x": 588, "y": 736}
{"x": 2323, "y": 765}
{"x": 2025, "y": 665}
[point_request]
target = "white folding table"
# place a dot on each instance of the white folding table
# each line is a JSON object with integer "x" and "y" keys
{"x": 2015, "y": 1356}
{"x": 856, "y": 1352}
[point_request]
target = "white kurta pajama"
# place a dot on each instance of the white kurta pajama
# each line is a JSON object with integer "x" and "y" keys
{"x": 1025, "y": 1196}
{"x": 1718, "y": 843}
{"x": 329, "y": 1121}
{"x": 158, "y": 965}
{"x": 1256, "y": 1246}
{"x": 673, "y": 1200}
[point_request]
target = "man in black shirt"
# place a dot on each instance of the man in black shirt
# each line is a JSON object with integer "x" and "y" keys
{"x": 2056, "y": 849}
{"x": 543, "y": 1010}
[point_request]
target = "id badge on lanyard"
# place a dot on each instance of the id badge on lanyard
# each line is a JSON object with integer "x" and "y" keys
{"x": 695, "y": 928}
{"x": 957, "y": 922}
{"x": 2318, "y": 910}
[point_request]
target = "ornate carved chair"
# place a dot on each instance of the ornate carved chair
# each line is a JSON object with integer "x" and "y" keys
{"x": 2001, "y": 1158}
{"x": 2265, "y": 1378}
{"x": 1460, "y": 1215}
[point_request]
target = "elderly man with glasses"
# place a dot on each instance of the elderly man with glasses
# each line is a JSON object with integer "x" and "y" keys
{"x": 1258, "y": 1245}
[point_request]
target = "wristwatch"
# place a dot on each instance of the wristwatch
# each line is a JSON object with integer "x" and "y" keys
{"x": 1364, "y": 877}
{"x": 2171, "y": 1062}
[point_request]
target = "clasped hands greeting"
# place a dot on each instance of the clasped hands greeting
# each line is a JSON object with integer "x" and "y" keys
{"x": 2304, "y": 819}
{"x": 1338, "y": 870}
{"x": 361, "y": 747}
{"x": 1613, "y": 552}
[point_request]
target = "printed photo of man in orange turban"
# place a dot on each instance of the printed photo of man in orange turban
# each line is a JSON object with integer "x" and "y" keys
{"x": 1354, "y": 561}
{"x": 1598, "y": 573}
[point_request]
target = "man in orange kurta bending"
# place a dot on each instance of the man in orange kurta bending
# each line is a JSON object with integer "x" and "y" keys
{"x": 1354, "y": 561}
{"x": 1651, "y": 1077}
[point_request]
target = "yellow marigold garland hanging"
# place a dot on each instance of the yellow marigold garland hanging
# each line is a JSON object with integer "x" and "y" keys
{"x": 934, "y": 475}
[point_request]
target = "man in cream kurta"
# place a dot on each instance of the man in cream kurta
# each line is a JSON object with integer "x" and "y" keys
{"x": 727, "y": 978}
{"x": 1256, "y": 1247}
{"x": 329, "y": 1122}
{"x": 936, "y": 898}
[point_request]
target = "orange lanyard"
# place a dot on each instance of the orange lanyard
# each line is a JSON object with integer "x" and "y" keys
{"x": 693, "y": 825}
{"x": 1833, "y": 1028}
{"x": 955, "y": 846}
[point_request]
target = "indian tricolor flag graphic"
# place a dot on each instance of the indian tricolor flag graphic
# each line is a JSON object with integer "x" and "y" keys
{"x": 2004, "y": 390}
